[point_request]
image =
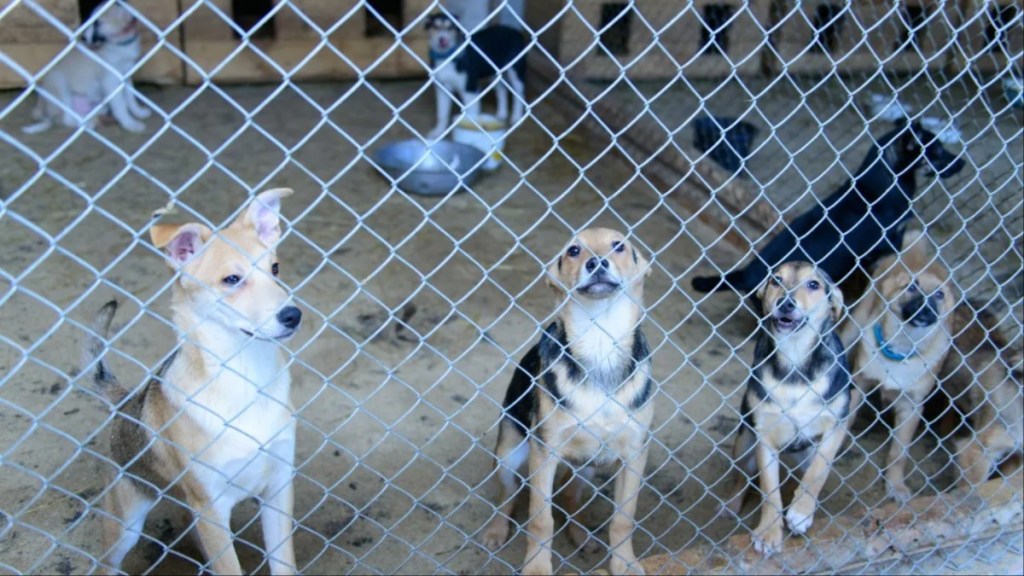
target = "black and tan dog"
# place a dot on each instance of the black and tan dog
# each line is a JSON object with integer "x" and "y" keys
{"x": 797, "y": 399}
{"x": 899, "y": 334}
{"x": 859, "y": 223}
{"x": 580, "y": 397}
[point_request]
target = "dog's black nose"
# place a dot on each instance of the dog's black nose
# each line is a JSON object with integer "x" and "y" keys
{"x": 595, "y": 263}
{"x": 289, "y": 316}
{"x": 786, "y": 306}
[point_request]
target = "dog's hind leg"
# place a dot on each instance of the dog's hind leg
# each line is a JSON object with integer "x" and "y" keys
{"x": 576, "y": 481}
{"x": 126, "y": 508}
{"x": 744, "y": 469}
{"x": 510, "y": 455}
{"x": 800, "y": 515}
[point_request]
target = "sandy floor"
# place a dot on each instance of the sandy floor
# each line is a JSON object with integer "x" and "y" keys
{"x": 394, "y": 431}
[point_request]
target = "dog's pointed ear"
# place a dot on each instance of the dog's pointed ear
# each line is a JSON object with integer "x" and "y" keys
{"x": 552, "y": 275}
{"x": 836, "y": 300}
{"x": 264, "y": 214}
{"x": 763, "y": 287}
{"x": 641, "y": 262}
{"x": 179, "y": 241}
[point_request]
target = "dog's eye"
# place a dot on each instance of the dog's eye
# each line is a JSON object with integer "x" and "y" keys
{"x": 813, "y": 285}
{"x": 232, "y": 279}
{"x": 912, "y": 288}
{"x": 776, "y": 281}
{"x": 573, "y": 251}
{"x": 618, "y": 246}
{"x": 274, "y": 269}
{"x": 939, "y": 295}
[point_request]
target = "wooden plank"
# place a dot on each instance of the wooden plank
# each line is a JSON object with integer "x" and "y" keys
{"x": 32, "y": 42}
{"x": 249, "y": 66}
{"x": 300, "y": 26}
{"x": 970, "y": 50}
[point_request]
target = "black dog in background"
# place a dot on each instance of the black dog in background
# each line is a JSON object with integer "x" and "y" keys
{"x": 860, "y": 223}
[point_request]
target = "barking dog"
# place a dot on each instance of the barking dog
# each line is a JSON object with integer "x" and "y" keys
{"x": 984, "y": 373}
{"x": 215, "y": 423}
{"x": 797, "y": 399}
{"x": 860, "y": 223}
{"x": 580, "y": 397}
{"x": 460, "y": 66}
{"x": 89, "y": 75}
{"x": 901, "y": 332}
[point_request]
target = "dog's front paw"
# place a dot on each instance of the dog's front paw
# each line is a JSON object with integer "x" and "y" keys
{"x": 767, "y": 541}
{"x": 496, "y": 534}
{"x": 142, "y": 112}
{"x": 619, "y": 565}
{"x": 899, "y": 491}
{"x": 537, "y": 567}
{"x": 799, "y": 522}
{"x": 436, "y": 133}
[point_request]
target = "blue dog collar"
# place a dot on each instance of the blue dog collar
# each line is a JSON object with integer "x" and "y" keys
{"x": 883, "y": 347}
{"x": 442, "y": 56}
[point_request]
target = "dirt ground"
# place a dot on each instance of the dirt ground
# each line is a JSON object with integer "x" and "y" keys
{"x": 395, "y": 426}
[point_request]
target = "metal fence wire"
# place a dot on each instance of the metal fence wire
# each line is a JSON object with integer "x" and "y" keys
{"x": 697, "y": 131}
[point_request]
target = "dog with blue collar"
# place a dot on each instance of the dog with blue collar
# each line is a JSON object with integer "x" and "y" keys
{"x": 460, "y": 65}
{"x": 899, "y": 335}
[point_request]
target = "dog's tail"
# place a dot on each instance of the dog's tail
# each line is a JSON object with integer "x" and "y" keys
{"x": 103, "y": 379}
{"x": 732, "y": 281}
{"x": 41, "y": 126}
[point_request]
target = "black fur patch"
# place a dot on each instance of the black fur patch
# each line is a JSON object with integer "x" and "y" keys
{"x": 519, "y": 403}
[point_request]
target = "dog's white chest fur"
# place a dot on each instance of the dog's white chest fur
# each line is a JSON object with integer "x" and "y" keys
{"x": 795, "y": 412}
{"x": 448, "y": 75}
{"x": 245, "y": 412}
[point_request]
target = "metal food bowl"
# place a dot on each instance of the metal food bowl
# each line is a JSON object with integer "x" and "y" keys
{"x": 437, "y": 168}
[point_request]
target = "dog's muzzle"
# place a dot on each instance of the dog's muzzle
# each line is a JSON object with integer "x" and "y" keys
{"x": 920, "y": 312}
{"x": 787, "y": 317}
{"x": 600, "y": 281}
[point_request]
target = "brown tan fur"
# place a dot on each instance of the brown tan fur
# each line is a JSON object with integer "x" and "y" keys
{"x": 983, "y": 374}
{"x": 216, "y": 420}
{"x": 796, "y": 401}
{"x": 594, "y": 415}
{"x": 899, "y": 284}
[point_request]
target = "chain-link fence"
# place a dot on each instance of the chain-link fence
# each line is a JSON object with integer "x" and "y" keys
{"x": 699, "y": 131}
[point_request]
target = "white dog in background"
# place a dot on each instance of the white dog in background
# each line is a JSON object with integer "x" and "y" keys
{"x": 85, "y": 77}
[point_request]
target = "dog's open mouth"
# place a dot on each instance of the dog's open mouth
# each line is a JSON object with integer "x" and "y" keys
{"x": 788, "y": 322}
{"x": 599, "y": 286}
{"x": 282, "y": 336}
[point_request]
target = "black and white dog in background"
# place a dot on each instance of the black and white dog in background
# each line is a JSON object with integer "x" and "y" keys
{"x": 459, "y": 66}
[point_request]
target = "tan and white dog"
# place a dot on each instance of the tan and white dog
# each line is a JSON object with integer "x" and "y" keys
{"x": 580, "y": 397}
{"x": 215, "y": 423}
{"x": 984, "y": 373}
{"x": 899, "y": 334}
{"x": 94, "y": 73}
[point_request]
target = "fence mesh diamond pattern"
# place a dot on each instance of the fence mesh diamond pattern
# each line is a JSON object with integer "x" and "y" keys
{"x": 697, "y": 131}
